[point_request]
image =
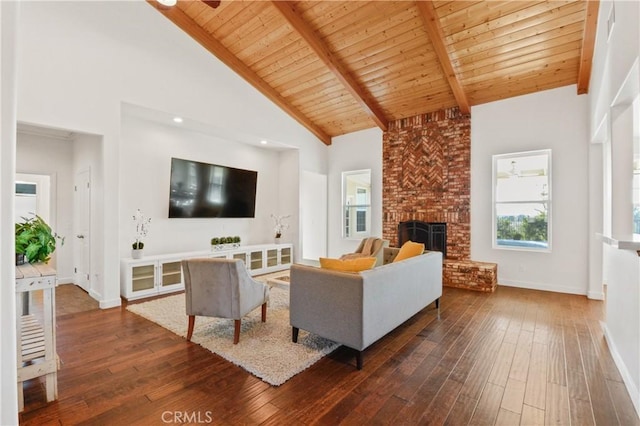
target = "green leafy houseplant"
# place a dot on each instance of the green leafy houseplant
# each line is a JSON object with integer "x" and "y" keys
{"x": 221, "y": 242}
{"x": 35, "y": 240}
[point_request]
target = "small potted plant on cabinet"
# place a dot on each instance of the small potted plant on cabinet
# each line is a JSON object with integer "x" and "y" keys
{"x": 35, "y": 241}
{"x": 142, "y": 228}
{"x": 280, "y": 226}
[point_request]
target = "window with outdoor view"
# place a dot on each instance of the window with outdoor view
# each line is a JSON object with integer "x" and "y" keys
{"x": 356, "y": 204}
{"x": 522, "y": 200}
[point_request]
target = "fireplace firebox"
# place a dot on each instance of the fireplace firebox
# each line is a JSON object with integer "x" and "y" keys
{"x": 432, "y": 234}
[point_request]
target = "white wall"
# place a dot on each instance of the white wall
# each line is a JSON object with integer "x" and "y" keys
{"x": 80, "y": 61}
{"x": 614, "y": 58}
{"x": 286, "y": 192}
{"x": 313, "y": 214}
{"x": 555, "y": 119}
{"x": 145, "y": 170}
{"x": 53, "y": 157}
{"x": 8, "y": 94}
{"x": 354, "y": 151}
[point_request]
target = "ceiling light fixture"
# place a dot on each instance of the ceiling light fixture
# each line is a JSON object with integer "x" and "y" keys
{"x": 168, "y": 3}
{"x": 263, "y": 142}
{"x": 178, "y": 119}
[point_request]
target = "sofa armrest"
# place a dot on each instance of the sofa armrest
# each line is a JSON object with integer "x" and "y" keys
{"x": 395, "y": 292}
{"x": 327, "y": 303}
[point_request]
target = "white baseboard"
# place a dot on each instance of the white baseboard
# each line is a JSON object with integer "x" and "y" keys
{"x": 595, "y": 295}
{"x": 113, "y": 303}
{"x": 622, "y": 368}
{"x": 539, "y": 286}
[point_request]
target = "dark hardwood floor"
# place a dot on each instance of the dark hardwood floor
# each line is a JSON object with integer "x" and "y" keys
{"x": 513, "y": 357}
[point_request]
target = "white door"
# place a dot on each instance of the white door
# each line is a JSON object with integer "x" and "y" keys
{"x": 82, "y": 230}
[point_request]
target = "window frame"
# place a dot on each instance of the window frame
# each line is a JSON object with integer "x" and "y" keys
{"x": 350, "y": 219}
{"x": 495, "y": 203}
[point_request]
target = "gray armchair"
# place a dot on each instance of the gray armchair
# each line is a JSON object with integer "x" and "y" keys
{"x": 369, "y": 247}
{"x": 221, "y": 288}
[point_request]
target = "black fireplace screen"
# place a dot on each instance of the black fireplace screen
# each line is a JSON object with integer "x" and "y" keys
{"x": 432, "y": 234}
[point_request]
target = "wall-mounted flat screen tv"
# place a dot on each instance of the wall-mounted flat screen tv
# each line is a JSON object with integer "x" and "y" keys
{"x": 209, "y": 190}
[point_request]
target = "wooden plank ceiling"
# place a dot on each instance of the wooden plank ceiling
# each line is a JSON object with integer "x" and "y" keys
{"x": 342, "y": 66}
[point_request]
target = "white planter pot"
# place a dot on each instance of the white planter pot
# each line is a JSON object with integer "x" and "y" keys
{"x": 137, "y": 254}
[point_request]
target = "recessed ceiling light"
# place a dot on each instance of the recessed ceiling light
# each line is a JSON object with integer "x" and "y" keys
{"x": 177, "y": 119}
{"x": 263, "y": 142}
{"x": 168, "y": 2}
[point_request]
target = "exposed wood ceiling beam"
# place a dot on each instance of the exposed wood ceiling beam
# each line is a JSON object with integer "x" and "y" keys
{"x": 335, "y": 66}
{"x": 183, "y": 21}
{"x": 437, "y": 37}
{"x": 588, "y": 44}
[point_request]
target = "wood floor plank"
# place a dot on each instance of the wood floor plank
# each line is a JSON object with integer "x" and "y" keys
{"x": 577, "y": 384}
{"x": 502, "y": 366}
{"x": 438, "y": 410}
{"x": 580, "y": 412}
{"x": 535, "y": 393}
{"x": 624, "y": 406}
{"x": 513, "y": 396}
{"x": 507, "y": 418}
{"x": 119, "y": 368}
{"x": 488, "y": 406}
{"x": 603, "y": 408}
{"x": 461, "y": 412}
{"x": 520, "y": 365}
{"x": 531, "y": 416}
{"x": 557, "y": 405}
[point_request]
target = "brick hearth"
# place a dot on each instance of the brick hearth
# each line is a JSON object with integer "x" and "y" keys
{"x": 479, "y": 276}
{"x": 427, "y": 177}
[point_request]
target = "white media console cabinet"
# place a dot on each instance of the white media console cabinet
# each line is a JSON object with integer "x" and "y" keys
{"x": 154, "y": 275}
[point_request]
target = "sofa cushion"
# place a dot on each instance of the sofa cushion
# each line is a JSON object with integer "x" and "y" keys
{"x": 348, "y": 265}
{"x": 409, "y": 249}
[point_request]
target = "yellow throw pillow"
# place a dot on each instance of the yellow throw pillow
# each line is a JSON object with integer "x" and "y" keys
{"x": 409, "y": 249}
{"x": 348, "y": 265}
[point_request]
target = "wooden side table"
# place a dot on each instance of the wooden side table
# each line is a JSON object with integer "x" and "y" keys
{"x": 36, "y": 341}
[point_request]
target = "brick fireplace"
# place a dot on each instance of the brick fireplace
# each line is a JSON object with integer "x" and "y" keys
{"x": 427, "y": 178}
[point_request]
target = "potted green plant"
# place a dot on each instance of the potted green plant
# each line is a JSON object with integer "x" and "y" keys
{"x": 35, "y": 241}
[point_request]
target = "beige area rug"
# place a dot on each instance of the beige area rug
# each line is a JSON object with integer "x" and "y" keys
{"x": 265, "y": 349}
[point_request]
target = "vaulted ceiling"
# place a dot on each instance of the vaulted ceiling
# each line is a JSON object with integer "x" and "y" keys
{"x": 342, "y": 66}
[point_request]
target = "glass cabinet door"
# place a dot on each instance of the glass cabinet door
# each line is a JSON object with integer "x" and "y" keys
{"x": 256, "y": 260}
{"x": 285, "y": 256}
{"x": 272, "y": 258}
{"x": 171, "y": 273}
{"x": 241, "y": 256}
{"x": 143, "y": 277}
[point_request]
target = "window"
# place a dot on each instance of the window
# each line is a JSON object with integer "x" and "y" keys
{"x": 356, "y": 203}
{"x": 522, "y": 200}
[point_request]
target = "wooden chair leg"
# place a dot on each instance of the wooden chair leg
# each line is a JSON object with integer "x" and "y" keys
{"x": 264, "y": 312}
{"x": 192, "y": 321}
{"x": 294, "y": 334}
{"x": 359, "y": 360}
{"x": 236, "y": 331}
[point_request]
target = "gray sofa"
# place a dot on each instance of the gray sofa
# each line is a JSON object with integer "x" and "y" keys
{"x": 357, "y": 309}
